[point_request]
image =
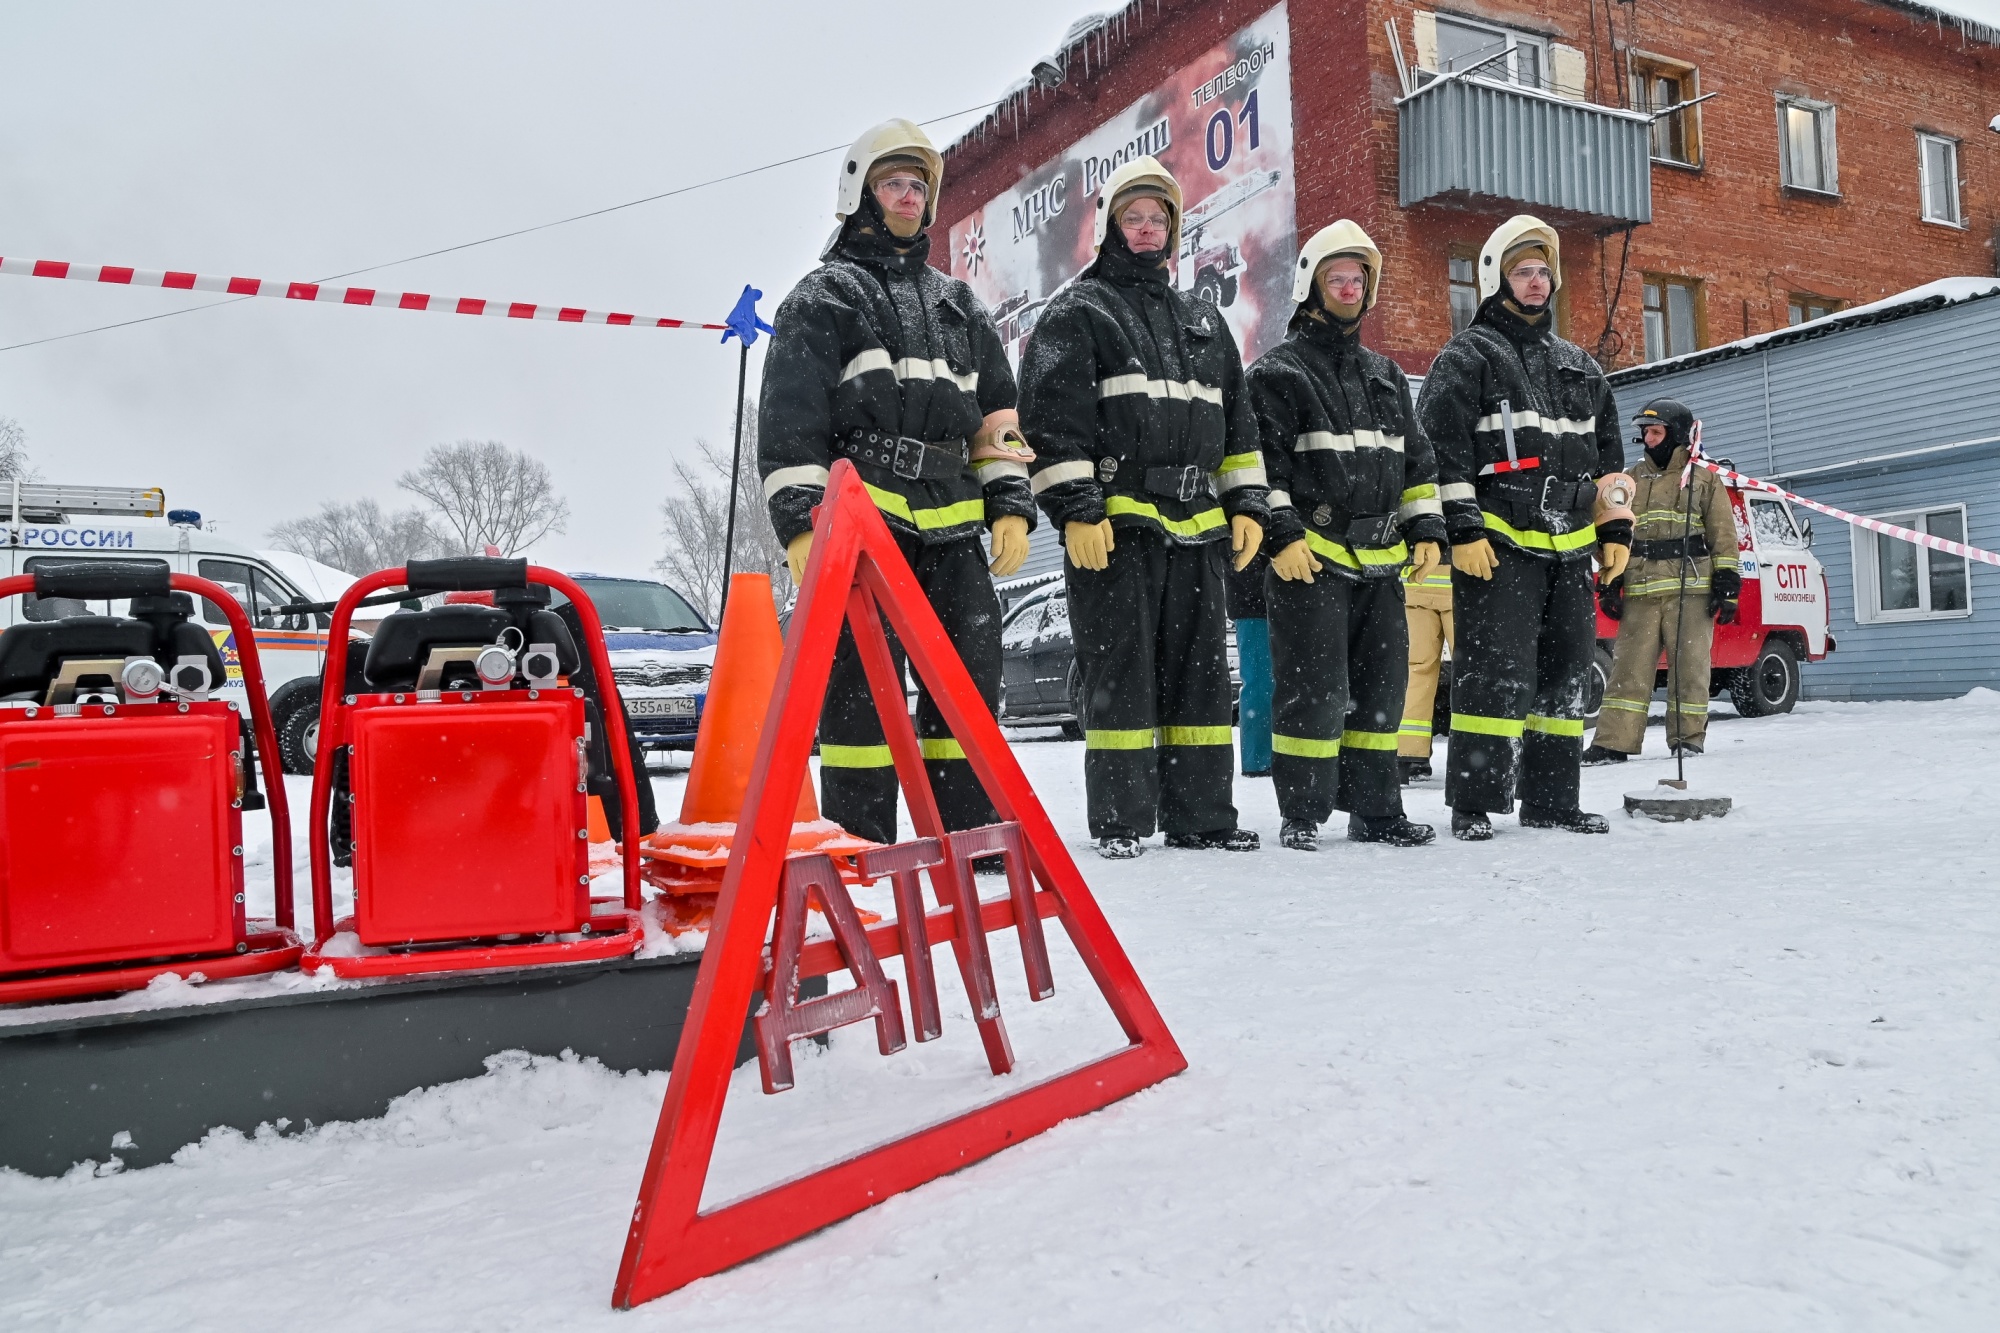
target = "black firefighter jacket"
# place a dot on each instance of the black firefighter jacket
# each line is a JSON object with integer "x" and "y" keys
{"x": 1133, "y": 396}
{"x": 1343, "y": 451}
{"x": 1563, "y": 418}
{"x": 875, "y": 340}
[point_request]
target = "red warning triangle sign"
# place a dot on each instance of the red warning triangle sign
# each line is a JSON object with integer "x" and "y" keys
{"x": 857, "y": 573}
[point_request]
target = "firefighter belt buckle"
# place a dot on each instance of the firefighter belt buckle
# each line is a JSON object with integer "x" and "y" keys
{"x": 1191, "y": 484}
{"x": 906, "y": 460}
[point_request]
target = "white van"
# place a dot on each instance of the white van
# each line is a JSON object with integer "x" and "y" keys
{"x": 49, "y": 524}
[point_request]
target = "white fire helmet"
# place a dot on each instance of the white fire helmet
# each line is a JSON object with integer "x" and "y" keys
{"x": 1140, "y": 171}
{"x": 892, "y": 138}
{"x": 1343, "y": 239}
{"x": 1521, "y": 229}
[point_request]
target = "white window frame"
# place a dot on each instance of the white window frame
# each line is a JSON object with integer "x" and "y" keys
{"x": 1924, "y": 140}
{"x": 1515, "y": 39}
{"x": 1826, "y": 138}
{"x": 1867, "y": 576}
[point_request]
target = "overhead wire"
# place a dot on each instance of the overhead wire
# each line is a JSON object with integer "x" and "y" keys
{"x": 489, "y": 240}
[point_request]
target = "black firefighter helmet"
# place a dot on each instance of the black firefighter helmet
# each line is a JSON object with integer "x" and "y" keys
{"x": 1671, "y": 413}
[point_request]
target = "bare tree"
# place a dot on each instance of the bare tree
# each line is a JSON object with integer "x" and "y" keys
{"x": 358, "y": 538}
{"x": 14, "y": 451}
{"x": 696, "y": 518}
{"x": 485, "y": 494}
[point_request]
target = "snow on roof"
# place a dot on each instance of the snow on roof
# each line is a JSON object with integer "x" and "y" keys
{"x": 1916, "y": 301}
{"x": 1959, "y": 16}
{"x": 1086, "y": 48}
{"x": 313, "y": 578}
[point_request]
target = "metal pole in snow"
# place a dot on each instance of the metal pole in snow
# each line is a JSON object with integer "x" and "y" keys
{"x": 735, "y": 472}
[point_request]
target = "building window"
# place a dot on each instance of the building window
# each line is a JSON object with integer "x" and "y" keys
{"x": 1464, "y": 289}
{"x": 1806, "y": 157}
{"x": 1463, "y": 43}
{"x": 1803, "y": 307}
{"x": 1937, "y": 175}
{"x": 1657, "y": 84}
{"x": 1672, "y": 316}
{"x": 1904, "y": 581}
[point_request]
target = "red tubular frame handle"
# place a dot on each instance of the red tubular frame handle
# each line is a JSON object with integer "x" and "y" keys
{"x": 332, "y": 727}
{"x": 260, "y": 721}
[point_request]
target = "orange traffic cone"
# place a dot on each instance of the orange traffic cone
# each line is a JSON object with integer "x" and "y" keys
{"x": 688, "y": 856}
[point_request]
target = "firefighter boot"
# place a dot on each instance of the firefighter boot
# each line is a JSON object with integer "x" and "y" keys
{"x": 1119, "y": 849}
{"x": 1597, "y": 754}
{"x": 1301, "y": 835}
{"x": 1222, "y": 840}
{"x": 1396, "y": 830}
{"x": 1412, "y": 770}
{"x": 1573, "y": 821}
{"x": 1471, "y": 826}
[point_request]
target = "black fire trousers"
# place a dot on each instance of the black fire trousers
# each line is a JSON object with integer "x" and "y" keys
{"x": 1151, "y": 633}
{"x": 1340, "y": 661}
{"x": 857, "y": 777}
{"x": 1520, "y": 676}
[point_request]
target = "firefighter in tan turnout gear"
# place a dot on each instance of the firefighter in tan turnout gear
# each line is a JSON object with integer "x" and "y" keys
{"x": 1352, "y": 481}
{"x": 1523, "y": 424}
{"x": 1427, "y": 609}
{"x": 1146, "y": 454}
{"x": 1683, "y": 580}
{"x": 879, "y": 358}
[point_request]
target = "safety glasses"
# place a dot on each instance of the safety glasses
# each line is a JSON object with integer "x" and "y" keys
{"x": 902, "y": 187}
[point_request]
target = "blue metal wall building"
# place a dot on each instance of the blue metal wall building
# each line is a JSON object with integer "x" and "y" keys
{"x": 1880, "y": 410}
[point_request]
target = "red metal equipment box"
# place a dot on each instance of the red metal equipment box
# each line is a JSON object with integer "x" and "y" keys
{"x": 470, "y": 816}
{"x": 117, "y": 824}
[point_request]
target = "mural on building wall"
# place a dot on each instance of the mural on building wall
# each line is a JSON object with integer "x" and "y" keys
{"x": 1223, "y": 125}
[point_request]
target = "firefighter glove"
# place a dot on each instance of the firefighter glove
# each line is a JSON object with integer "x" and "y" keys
{"x": 1611, "y": 598}
{"x": 1475, "y": 558}
{"x": 797, "y": 551}
{"x": 1246, "y": 534}
{"x": 1611, "y": 562}
{"x": 1010, "y": 544}
{"x": 1089, "y": 544}
{"x": 1424, "y": 557}
{"x": 1296, "y": 563}
{"x": 1724, "y": 587}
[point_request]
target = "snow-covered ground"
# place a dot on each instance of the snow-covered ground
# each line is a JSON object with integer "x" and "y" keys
{"x": 1735, "y": 1075}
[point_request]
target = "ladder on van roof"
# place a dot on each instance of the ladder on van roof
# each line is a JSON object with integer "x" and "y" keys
{"x": 39, "y": 497}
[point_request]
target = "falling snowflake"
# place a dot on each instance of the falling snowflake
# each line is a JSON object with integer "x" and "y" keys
{"x": 975, "y": 248}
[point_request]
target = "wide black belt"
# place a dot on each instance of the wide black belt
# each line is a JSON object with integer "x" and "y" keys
{"x": 1695, "y": 547}
{"x": 909, "y": 458}
{"x": 1186, "y": 484}
{"x": 1547, "y": 495}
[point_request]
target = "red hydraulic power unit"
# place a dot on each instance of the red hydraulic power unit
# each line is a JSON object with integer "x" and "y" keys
{"x": 122, "y": 791}
{"x": 452, "y": 777}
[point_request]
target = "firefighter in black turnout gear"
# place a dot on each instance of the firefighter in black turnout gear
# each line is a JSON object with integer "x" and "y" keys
{"x": 1523, "y": 423}
{"x": 879, "y": 358}
{"x": 1352, "y": 481}
{"x": 1146, "y": 453}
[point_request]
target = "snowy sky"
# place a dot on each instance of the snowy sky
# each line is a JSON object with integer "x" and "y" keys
{"x": 294, "y": 143}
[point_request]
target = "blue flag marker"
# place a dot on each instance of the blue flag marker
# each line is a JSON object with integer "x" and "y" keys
{"x": 744, "y": 322}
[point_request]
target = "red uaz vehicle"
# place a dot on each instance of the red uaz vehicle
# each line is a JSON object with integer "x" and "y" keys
{"x": 1781, "y": 620}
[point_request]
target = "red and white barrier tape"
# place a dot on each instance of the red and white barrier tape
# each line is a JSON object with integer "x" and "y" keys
{"x": 326, "y": 294}
{"x": 1736, "y": 478}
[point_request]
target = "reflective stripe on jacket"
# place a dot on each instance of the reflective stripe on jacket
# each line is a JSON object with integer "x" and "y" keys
{"x": 1658, "y": 504}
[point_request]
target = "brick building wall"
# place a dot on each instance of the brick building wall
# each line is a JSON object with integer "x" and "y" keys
{"x": 1729, "y": 225}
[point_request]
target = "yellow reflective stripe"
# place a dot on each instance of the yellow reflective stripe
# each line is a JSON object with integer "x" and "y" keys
{"x": 1196, "y": 735}
{"x": 1692, "y": 519}
{"x": 1485, "y": 726}
{"x": 942, "y": 747}
{"x": 1304, "y": 747}
{"x": 1237, "y": 462}
{"x": 1206, "y": 521}
{"x": 1667, "y": 587}
{"x": 949, "y": 516}
{"x": 1368, "y": 740}
{"x": 1139, "y": 738}
{"x": 1424, "y": 492}
{"x": 1369, "y": 557}
{"x": 1437, "y": 578}
{"x": 855, "y": 756}
{"x": 1555, "y": 726}
{"x": 1333, "y": 551}
{"x": 1625, "y": 705}
{"x": 1541, "y": 541}
{"x": 1412, "y": 727}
